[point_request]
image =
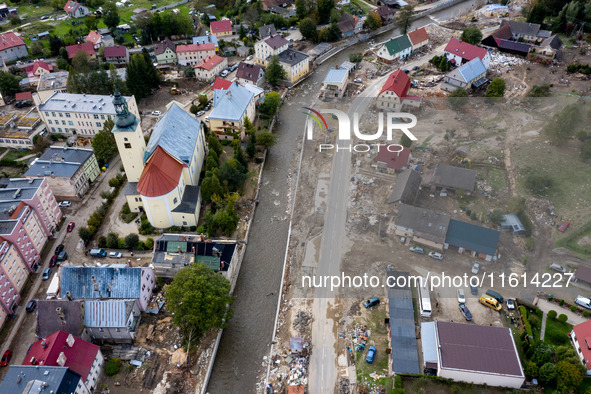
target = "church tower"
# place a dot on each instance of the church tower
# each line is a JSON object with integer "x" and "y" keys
{"x": 130, "y": 139}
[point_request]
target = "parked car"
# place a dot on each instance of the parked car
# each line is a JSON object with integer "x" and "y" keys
{"x": 557, "y": 267}
{"x": 156, "y": 113}
{"x": 63, "y": 256}
{"x": 495, "y": 295}
{"x": 46, "y": 273}
{"x": 249, "y": 57}
{"x": 358, "y": 80}
{"x": 415, "y": 68}
{"x": 224, "y": 73}
{"x": 371, "y": 302}
{"x": 71, "y": 226}
{"x": 234, "y": 67}
{"x": 65, "y": 204}
{"x": 207, "y": 107}
{"x": 406, "y": 71}
{"x": 200, "y": 113}
{"x": 59, "y": 249}
{"x": 510, "y": 304}
{"x": 474, "y": 290}
{"x": 564, "y": 226}
{"x": 31, "y": 305}
{"x": 115, "y": 255}
{"x": 53, "y": 260}
{"x": 98, "y": 252}
{"x": 6, "y": 358}
{"x": 371, "y": 353}
{"x": 475, "y": 267}
{"x": 416, "y": 249}
{"x": 436, "y": 255}
{"x": 461, "y": 296}
{"x": 465, "y": 311}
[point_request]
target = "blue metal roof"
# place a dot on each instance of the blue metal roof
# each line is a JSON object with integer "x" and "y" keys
{"x": 106, "y": 313}
{"x": 206, "y": 39}
{"x": 57, "y": 169}
{"x": 429, "y": 341}
{"x": 39, "y": 379}
{"x": 69, "y": 155}
{"x": 111, "y": 282}
{"x": 469, "y": 71}
{"x": 176, "y": 132}
{"x": 469, "y": 236}
{"x": 231, "y": 104}
{"x": 336, "y": 75}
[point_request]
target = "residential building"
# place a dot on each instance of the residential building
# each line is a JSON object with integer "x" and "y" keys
{"x": 209, "y": 39}
{"x": 14, "y": 272}
{"x": 165, "y": 52}
{"x": 112, "y": 282}
{"x": 393, "y": 161}
{"x": 29, "y": 379}
{"x": 418, "y": 38}
{"x": 459, "y": 52}
{"x": 12, "y": 47}
{"x": 111, "y": 321}
{"x": 296, "y": 64}
{"x": 267, "y": 31}
{"x": 483, "y": 355}
{"x": 583, "y": 274}
{"x": 502, "y": 39}
{"x": 394, "y": 93}
{"x": 86, "y": 47}
{"x": 18, "y": 130}
{"x": 422, "y": 226}
{"x": 6, "y": 10}
{"x": 347, "y": 24}
{"x": 69, "y": 171}
{"x": 270, "y": 5}
{"x": 173, "y": 252}
{"x": 163, "y": 178}
{"x": 76, "y": 10}
{"x": 472, "y": 240}
{"x": 191, "y": 54}
{"x": 385, "y": 13}
{"x": 229, "y": 51}
{"x": 60, "y": 315}
{"x": 250, "y": 74}
{"x": 270, "y": 46}
{"x": 243, "y": 51}
{"x": 580, "y": 338}
{"x": 80, "y": 114}
{"x": 230, "y": 108}
{"x": 512, "y": 223}
{"x": 116, "y": 55}
{"x": 210, "y": 67}
{"x": 66, "y": 350}
{"x": 468, "y": 75}
{"x": 450, "y": 178}
{"x": 335, "y": 83}
{"x": 547, "y": 50}
{"x": 221, "y": 28}
{"x": 406, "y": 188}
{"x": 50, "y": 84}
{"x": 36, "y": 70}
{"x": 529, "y": 32}
{"x": 95, "y": 39}
{"x": 397, "y": 48}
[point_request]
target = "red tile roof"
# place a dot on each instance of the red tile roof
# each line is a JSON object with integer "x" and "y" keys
{"x": 93, "y": 37}
{"x": 24, "y": 96}
{"x": 220, "y": 26}
{"x": 418, "y": 36}
{"x": 71, "y": 6}
{"x": 161, "y": 174}
{"x": 221, "y": 84}
{"x": 583, "y": 334}
{"x": 464, "y": 50}
{"x": 116, "y": 51}
{"x": 10, "y": 40}
{"x": 398, "y": 82}
{"x": 195, "y": 47}
{"x": 209, "y": 62}
{"x": 38, "y": 64}
{"x": 79, "y": 357}
{"x": 503, "y": 33}
{"x": 394, "y": 160}
{"x": 74, "y": 49}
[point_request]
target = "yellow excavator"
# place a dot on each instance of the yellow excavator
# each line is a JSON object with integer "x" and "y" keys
{"x": 461, "y": 160}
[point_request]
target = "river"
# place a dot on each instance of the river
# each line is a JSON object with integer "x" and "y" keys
{"x": 247, "y": 338}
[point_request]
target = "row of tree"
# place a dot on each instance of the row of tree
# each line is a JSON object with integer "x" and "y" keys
{"x": 157, "y": 26}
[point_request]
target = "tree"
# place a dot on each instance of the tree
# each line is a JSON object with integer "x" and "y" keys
{"x": 131, "y": 240}
{"x": 103, "y": 143}
{"x": 355, "y": 57}
{"x": 547, "y": 373}
{"x": 199, "y": 300}
{"x": 266, "y": 139}
{"x": 472, "y": 35}
{"x": 9, "y": 83}
{"x": 211, "y": 186}
{"x": 308, "y": 29}
{"x": 36, "y": 48}
{"x": 275, "y": 72}
{"x": 194, "y": 109}
{"x": 55, "y": 44}
{"x": 110, "y": 15}
{"x": 324, "y": 9}
{"x": 271, "y": 104}
{"x": 85, "y": 234}
{"x": 91, "y": 22}
{"x": 542, "y": 354}
{"x": 496, "y": 88}
{"x": 405, "y": 141}
{"x": 152, "y": 78}
{"x": 457, "y": 99}
{"x": 569, "y": 375}
{"x": 538, "y": 184}
{"x": 373, "y": 21}
{"x": 137, "y": 71}
{"x": 496, "y": 217}
{"x": 301, "y": 9}
{"x": 403, "y": 19}
{"x": 112, "y": 240}
{"x": 81, "y": 62}
{"x": 240, "y": 158}
{"x": 586, "y": 150}
{"x": 214, "y": 144}
{"x": 531, "y": 369}
{"x": 40, "y": 143}
{"x": 251, "y": 148}
{"x": 232, "y": 175}
{"x": 203, "y": 100}
{"x": 536, "y": 12}
{"x": 113, "y": 366}
{"x": 562, "y": 126}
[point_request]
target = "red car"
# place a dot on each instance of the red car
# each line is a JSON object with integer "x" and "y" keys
{"x": 71, "y": 226}
{"x": 53, "y": 261}
{"x": 6, "y": 358}
{"x": 564, "y": 226}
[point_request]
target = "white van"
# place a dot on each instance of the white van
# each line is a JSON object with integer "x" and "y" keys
{"x": 557, "y": 267}
{"x": 583, "y": 301}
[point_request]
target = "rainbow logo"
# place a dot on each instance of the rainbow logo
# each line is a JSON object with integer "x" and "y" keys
{"x": 317, "y": 117}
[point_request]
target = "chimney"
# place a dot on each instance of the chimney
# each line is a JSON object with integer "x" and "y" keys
{"x": 229, "y": 94}
{"x": 179, "y": 249}
{"x": 69, "y": 296}
{"x": 61, "y": 315}
{"x": 44, "y": 343}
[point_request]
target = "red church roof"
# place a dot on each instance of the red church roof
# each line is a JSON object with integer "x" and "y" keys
{"x": 161, "y": 174}
{"x": 84, "y": 47}
{"x": 220, "y": 26}
{"x": 221, "y": 84}
{"x": 79, "y": 357}
{"x": 464, "y": 50}
{"x": 398, "y": 82}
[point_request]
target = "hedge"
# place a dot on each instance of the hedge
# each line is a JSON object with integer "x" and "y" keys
{"x": 552, "y": 314}
{"x": 527, "y": 325}
{"x": 398, "y": 381}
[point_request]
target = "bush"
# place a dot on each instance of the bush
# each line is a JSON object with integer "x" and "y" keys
{"x": 112, "y": 240}
{"x": 398, "y": 381}
{"x": 526, "y": 324}
{"x": 552, "y": 314}
{"x": 114, "y": 182}
{"x": 539, "y": 184}
{"x": 102, "y": 241}
{"x": 534, "y": 321}
{"x": 149, "y": 243}
{"x": 562, "y": 318}
{"x": 121, "y": 244}
{"x": 586, "y": 313}
{"x": 113, "y": 366}
{"x": 561, "y": 302}
{"x": 574, "y": 308}
{"x": 530, "y": 243}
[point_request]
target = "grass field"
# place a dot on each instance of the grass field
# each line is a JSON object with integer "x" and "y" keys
{"x": 557, "y": 332}
{"x": 26, "y": 10}
{"x": 379, "y": 339}
{"x": 16, "y": 154}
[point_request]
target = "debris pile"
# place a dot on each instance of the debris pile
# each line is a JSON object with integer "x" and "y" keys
{"x": 503, "y": 63}
{"x": 343, "y": 386}
{"x": 302, "y": 321}
{"x": 359, "y": 337}
{"x": 298, "y": 370}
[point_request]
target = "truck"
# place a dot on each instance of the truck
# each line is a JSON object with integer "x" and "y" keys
{"x": 174, "y": 91}
{"x": 54, "y": 288}
{"x": 98, "y": 253}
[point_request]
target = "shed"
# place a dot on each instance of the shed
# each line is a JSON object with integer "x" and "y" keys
{"x": 512, "y": 223}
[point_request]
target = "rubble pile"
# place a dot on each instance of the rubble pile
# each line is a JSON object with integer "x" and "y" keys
{"x": 544, "y": 212}
{"x": 298, "y": 371}
{"x": 343, "y": 386}
{"x": 358, "y": 338}
{"x": 302, "y": 321}
{"x": 503, "y": 63}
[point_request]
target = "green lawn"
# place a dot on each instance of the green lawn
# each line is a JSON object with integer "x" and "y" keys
{"x": 16, "y": 154}
{"x": 26, "y": 10}
{"x": 379, "y": 339}
{"x": 557, "y": 332}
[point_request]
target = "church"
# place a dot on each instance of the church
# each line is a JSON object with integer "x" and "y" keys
{"x": 162, "y": 177}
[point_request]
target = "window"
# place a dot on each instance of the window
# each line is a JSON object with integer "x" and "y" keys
{"x": 53, "y": 114}
{"x": 96, "y": 116}
{"x": 70, "y": 123}
{"x": 175, "y": 200}
{"x": 49, "y": 121}
{"x": 59, "y": 129}
{"x": 61, "y": 114}
{"x": 101, "y": 330}
{"x": 67, "y": 114}
{"x": 127, "y": 145}
{"x": 125, "y": 139}
{"x": 98, "y": 124}
{"x": 63, "y": 122}
{"x": 102, "y": 116}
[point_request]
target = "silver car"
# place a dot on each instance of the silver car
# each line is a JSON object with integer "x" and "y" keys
{"x": 475, "y": 267}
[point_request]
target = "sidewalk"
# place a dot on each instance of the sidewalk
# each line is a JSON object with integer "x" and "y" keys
{"x": 573, "y": 318}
